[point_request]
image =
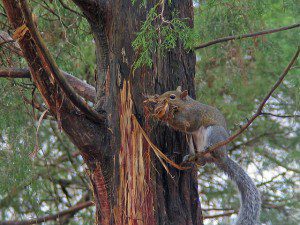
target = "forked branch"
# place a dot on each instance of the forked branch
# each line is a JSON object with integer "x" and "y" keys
{"x": 54, "y": 70}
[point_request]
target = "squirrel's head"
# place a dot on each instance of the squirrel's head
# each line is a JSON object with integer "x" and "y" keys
{"x": 164, "y": 106}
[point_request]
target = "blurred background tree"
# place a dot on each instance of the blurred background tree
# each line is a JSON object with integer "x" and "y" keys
{"x": 233, "y": 76}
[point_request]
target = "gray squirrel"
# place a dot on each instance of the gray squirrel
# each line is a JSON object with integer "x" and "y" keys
{"x": 205, "y": 126}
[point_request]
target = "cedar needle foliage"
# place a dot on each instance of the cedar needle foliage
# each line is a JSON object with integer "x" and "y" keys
{"x": 160, "y": 35}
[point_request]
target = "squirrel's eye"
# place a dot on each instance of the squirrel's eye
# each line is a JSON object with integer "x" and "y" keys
{"x": 172, "y": 96}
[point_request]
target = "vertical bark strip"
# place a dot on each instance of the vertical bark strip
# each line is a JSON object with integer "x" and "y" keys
{"x": 100, "y": 190}
{"x": 135, "y": 197}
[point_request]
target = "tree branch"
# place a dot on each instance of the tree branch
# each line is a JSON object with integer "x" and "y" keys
{"x": 258, "y": 112}
{"x": 83, "y": 89}
{"x": 46, "y": 87}
{"x": 54, "y": 70}
{"x": 69, "y": 8}
{"x": 71, "y": 210}
{"x": 280, "y": 116}
{"x": 92, "y": 8}
{"x": 237, "y": 37}
{"x": 217, "y": 215}
{"x": 252, "y": 140}
{"x": 278, "y": 162}
{"x": 5, "y": 38}
{"x": 6, "y": 42}
{"x": 96, "y": 13}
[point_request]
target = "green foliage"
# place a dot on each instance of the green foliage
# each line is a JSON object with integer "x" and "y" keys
{"x": 143, "y": 2}
{"x": 235, "y": 76}
{"x": 158, "y": 35}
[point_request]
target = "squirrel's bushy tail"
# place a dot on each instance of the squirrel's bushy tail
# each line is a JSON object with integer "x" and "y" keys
{"x": 250, "y": 197}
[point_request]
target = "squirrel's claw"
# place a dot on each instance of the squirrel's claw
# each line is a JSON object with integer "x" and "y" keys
{"x": 189, "y": 158}
{"x": 207, "y": 147}
{"x": 193, "y": 158}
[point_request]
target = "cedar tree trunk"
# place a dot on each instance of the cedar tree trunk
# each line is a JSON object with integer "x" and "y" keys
{"x": 130, "y": 184}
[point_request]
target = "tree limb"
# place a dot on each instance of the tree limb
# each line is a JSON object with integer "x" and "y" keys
{"x": 42, "y": 80}
{"x": 252, "y": 140}
{"x": 54, "y": 70}
{"x": 237, "y": 37}
{"x": 5, "y": 38}
{"x": 97, "y": 13}
{"x": 217, "y": 215}
{"x": 280, "y": 116}
{"x": 278, "y": 162}
{"x": 83, "y": 89}
{"x": 92, "y": 9}
{"x": 6, "y": 42}
{"x": 69, "y": 8}
{"x": 71, "y": 210}
{"x": 258, "y": 112}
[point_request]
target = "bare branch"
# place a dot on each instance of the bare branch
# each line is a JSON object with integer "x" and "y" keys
{"x": 258, "y": 112}
{"x": 225, "y": 214}
{"x": 280, "y": 116}
{"x": 69, "y": 8}
{"x": 237, "y": 37}
{"x": 71, "y": 210}
{"x": 253, "y": 140}
{"x": 54, "y": 70}
{"x": 83, "y": 89}
{"x": 218, "y": 215}
{"x": 15, "y": 73}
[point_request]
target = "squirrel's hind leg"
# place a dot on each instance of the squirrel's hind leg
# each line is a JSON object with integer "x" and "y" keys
{"x": 191, "y": 155}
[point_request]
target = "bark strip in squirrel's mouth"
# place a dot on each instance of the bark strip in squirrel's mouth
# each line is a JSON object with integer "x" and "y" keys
{"x": 157, "y": 107}
{"x": 161, "y": 109}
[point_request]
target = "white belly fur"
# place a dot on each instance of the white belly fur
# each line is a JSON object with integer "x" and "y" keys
{"x": 200, "y": 138}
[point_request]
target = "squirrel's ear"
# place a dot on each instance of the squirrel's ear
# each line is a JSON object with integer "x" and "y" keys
{"x": 184, "y": 94}
{"x": 178, "y": 88}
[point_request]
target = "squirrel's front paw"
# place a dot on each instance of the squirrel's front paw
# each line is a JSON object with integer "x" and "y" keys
{"x": 189, "y": 158}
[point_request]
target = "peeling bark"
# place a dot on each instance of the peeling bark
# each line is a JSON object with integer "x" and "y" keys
{"x": 175, "y": 199}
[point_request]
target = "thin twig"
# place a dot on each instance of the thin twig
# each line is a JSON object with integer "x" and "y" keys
{"x": 69, "y": 8}
{"x": 219, "y": 215}
{"x": 71, "y": 210}
{"x": 280, "y": 116}
{"x": 237, "y": 37}
{"x": 258, "y": 112}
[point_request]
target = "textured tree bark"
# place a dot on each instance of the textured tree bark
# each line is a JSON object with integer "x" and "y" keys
{"x": 140, "y": 187}
{"x": 130, "y": 185}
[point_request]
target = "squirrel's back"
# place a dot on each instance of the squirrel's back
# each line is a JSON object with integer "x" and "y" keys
{"x": 208, "y": 115}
